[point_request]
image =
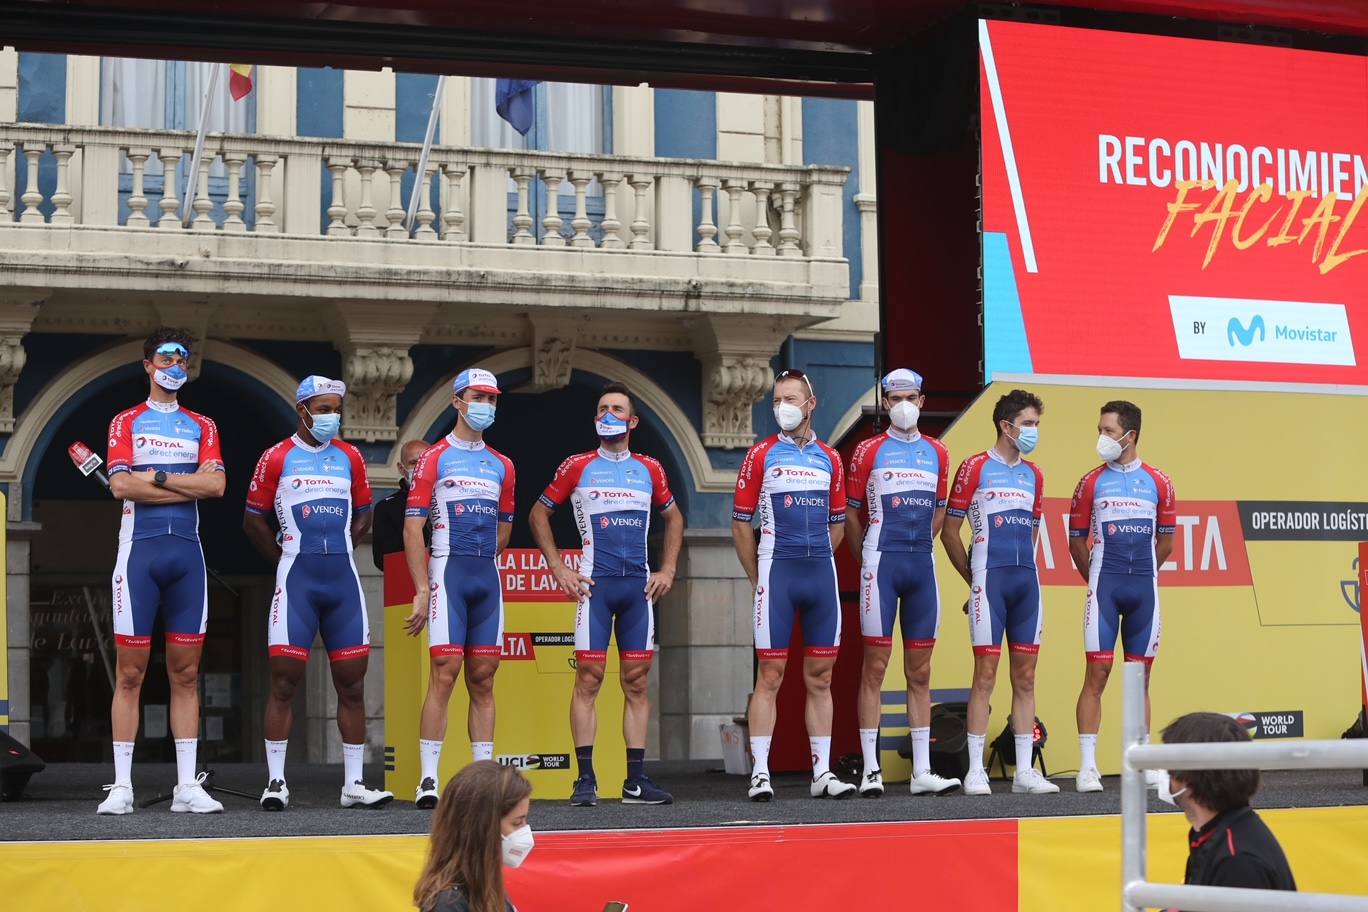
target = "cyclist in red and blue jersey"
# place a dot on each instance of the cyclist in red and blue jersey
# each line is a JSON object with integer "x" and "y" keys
{"x": 1127, "y": 507}
{"x": 315, "y": 485}
{"x": 795, "y": 484}
{"x": 1001, "y": 493}
{"x": 163, "y": 459}
{"x": 901, "y": 477}
{"x": 612, "y": 491}
{"x": 463, "y": 490}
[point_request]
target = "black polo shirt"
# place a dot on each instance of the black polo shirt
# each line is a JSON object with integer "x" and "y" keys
{"x": 1237, "y": 849}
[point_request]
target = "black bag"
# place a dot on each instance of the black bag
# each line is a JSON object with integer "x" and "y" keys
{"x": 17, "y": 764}
{"x": 1004, "y": 748}
{"x": 949, "y": 740}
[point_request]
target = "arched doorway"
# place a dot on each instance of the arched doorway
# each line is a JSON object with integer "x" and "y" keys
{"x": 72, "y": 555}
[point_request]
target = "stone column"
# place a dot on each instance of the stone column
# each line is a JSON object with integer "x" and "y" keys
{"x": 375, "y": 339}
{"x": 736, "y": 372}
{"x": 17, "y": 627}
{"x": 704, "y": 629}
{"x": 17, "y": 310}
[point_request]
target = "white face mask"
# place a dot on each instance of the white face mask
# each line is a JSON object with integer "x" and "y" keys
{"x": 517, "y": 845}
{"x": 788, "y": 416}
{"x": 904, "y": 415}
{"x": 1109, "y": 448}
{"x": 1166, "y": 793}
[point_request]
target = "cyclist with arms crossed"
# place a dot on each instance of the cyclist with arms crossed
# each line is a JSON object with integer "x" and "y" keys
{"x": 162, "y": 460}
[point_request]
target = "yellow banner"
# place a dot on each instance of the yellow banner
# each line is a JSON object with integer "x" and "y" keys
{"x": 531, "y": 693}
{"x": 1259, "y": 601}
{"x": 4, "y": 626}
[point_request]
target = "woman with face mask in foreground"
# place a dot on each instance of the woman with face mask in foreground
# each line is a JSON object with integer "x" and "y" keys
{"x": 480, "y": 826}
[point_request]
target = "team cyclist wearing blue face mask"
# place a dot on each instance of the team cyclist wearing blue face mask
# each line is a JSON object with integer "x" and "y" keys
{"x": 163, "y": 459}
{"x": 315, "y": 485}
{"x": 1001, "y": 494}
{"x": 464, "y": 489}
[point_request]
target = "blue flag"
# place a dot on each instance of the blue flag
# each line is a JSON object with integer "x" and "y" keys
{"x": 513, "y": 101}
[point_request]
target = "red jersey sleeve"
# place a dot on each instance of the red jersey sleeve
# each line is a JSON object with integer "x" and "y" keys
{"x": 210, "y": 450}
{"x": 749, "y": 479}
{"x": 1166, "y": 515}
{"x": 857, "y": 478}
{"x": 119, "y": 456}
{"x": 360, "y": 489}
{"x": 507, "y": 504}
{"x": 565, "y": 481}
{"x": 836, "y": 494}
{"x": 1081, "y": 507}
{"x": 261, "y": 491}
{"x": 1038, "y": 508}
{"x": 966, "y": 483}
{"x": 419, "y": 502}
{"x": 942, "y": 471}
{"x": 661, "y": 496}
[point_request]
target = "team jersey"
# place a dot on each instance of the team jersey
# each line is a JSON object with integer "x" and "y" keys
{"x": 313, "y": 490}
{"x": 1124, "y": 507}
{"x": 612, "y": 495}
{"x": 903, "y": 478}
{"x": 465, "y": 490}
{"x": 158, "y": 436}
{"x": 798, "y": 491}
{"x": 1003, "y": 503}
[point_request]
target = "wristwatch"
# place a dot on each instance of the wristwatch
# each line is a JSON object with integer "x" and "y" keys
{"x": 159, "y": 479}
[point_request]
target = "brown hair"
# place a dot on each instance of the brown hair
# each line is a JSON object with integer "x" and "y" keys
{"x": 159, "y": 337}
{"x": 1013, "y": 404}
{"x": 1127, "y": 415}
{"x": 466, "y": 848}
{"x": 1216, "y": 790}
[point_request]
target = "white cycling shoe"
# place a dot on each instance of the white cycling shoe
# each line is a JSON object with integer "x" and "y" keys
{"x": 828, "y": 785}
{"x": 191, "y": 798}
{"x": 276, "y": 797}
{"x": 871, "y": 786}
{"x": 928, "y": 783}
{"x": 976, "y": 782}
{"x": 357, "y": 795}
{"x": 1088, "y": 780}
{"x": 119, "y": 800}
{"x": 760, "y": 788}
{"x": 1030, "y": 782}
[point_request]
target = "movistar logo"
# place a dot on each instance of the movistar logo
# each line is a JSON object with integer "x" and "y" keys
{"x": 1237, "y": 330}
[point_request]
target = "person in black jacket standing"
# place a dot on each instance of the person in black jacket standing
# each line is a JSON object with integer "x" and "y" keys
{"x": 387, "y": 534}
{"x": 1229, "y": 845}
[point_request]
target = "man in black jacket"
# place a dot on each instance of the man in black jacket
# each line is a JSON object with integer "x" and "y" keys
{"x": 1229, "y": 846}
{"x": 387, "y": 534}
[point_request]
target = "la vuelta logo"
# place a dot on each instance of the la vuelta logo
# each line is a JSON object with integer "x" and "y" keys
{"x": 1208, "y": 546}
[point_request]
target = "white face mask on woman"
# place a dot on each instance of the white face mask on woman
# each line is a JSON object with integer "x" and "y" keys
{"x": 1166, "y": 792}
{"x": 517, "y": 845}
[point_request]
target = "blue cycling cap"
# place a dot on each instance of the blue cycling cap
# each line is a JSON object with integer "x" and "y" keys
{"x": 314, "y": 385}
{"x": 902, "y": 380}
{"x": 476, "y": 378}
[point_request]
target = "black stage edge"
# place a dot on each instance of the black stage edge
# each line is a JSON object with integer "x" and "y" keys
{"x": 60, "y": 804}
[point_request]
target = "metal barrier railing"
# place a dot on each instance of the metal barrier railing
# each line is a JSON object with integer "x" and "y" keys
{"x": 1136, "y": 757}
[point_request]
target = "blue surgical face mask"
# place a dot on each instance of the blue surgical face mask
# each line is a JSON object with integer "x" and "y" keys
{"x": 170, "y": 378}
{"x": 325, "y": 427}
{"x": 1027, "y": 439}
{"x": 610, "y": 427}
{"x": 479, "y": 415}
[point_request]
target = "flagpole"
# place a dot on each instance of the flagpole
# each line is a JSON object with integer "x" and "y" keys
{"x": 192, "y": 179}
{"x": 419, "y": 185}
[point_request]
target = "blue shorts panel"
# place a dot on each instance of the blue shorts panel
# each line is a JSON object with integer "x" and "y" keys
{"x": 318, "y": 593}
{"x": 797, "y": 588}
{"x": 1005, "y": 600}
{"x": 163, "y": 575}
{"x": 616, "y": 604}
{"x": 467, "y": 616}
{"x": 901, "y": 583}
{"x": 1127, "y": 601}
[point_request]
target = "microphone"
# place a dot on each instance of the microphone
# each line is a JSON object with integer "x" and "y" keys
{"x": 88, "y": 463}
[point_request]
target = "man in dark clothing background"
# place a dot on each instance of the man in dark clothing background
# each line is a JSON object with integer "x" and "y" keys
{"x": 387, "y": 534}
{"x": 1229, "y": 846}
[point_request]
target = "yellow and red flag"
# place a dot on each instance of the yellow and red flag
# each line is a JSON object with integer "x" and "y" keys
{"x": 239, "y": 80}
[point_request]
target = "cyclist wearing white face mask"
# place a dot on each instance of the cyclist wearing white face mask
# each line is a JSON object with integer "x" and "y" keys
{"x": 1127, "y": 508}
{"x": 901, "y": 476}
{"x": 794, "y": 482}
{"x": 464, "y": 490}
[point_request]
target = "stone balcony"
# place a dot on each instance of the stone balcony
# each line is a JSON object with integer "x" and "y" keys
{"x": 294, "y": 238}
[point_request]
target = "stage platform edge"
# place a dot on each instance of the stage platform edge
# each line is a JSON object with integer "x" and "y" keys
{"x": 1031, "y": 865}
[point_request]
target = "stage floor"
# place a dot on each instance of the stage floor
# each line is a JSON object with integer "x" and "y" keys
{"x": 59, "y": 804}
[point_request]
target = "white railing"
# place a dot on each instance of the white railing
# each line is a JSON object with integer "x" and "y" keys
{"x": 1137, "y": 893}
{"x": 269, "y": 185}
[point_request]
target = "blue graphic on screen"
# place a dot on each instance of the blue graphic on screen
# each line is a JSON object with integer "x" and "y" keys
{"x": 1005, "y": 347}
